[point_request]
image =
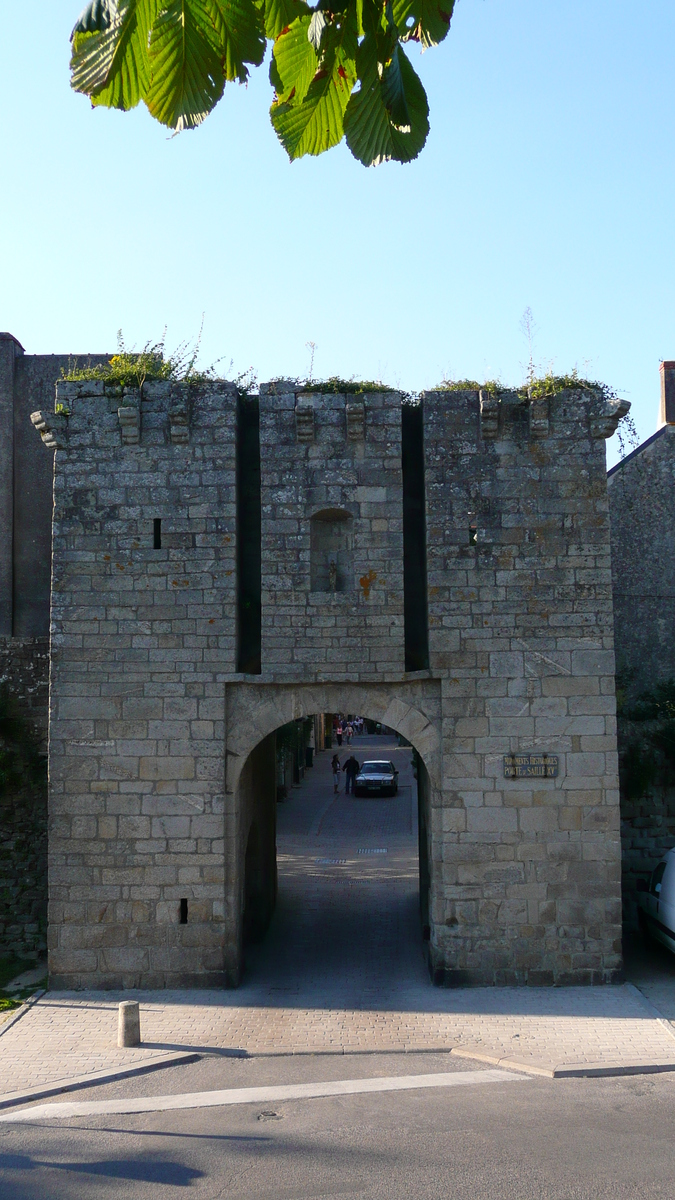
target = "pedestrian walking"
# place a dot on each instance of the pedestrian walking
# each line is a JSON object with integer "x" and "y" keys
{"x": 338, "y": 734}
{"x": 349, "y": 735}
{"x": 351, "y": 769}
{"x": 335, "y": 768}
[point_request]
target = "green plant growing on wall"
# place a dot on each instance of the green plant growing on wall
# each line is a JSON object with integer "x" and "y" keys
{"x": 132, "y": 368}
{"x": 337, "y": 70}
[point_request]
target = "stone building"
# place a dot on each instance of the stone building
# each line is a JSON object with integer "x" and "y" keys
{"x": 225, "y": 564}
{"x": 642, "y": 509}
{"x": 27, "y": 382}
{"x": 642, "y": 504}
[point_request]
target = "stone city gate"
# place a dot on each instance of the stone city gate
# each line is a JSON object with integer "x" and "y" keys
{"x": 223, "y": 564}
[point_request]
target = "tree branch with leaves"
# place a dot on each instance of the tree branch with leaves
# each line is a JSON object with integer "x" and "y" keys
{"x": 338, "y": 70}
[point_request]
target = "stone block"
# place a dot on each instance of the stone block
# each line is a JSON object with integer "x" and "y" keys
{"x": 166, "y": 767}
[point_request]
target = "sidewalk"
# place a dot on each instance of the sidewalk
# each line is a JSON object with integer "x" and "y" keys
{"x": 342, "y": 971}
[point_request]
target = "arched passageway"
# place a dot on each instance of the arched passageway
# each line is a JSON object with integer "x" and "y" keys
{"x": 352, "y": 873}
{"x": 254, "y": 714}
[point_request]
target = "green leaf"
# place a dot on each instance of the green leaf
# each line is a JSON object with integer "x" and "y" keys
{"x": 294, "y": 62}
{"x": 315, "y": 123}
{"x": 239, "y": 30}
{"x": 393, "y": 90}
{"x": 316, "y": 27}
{"x": 280, "y": 14}
{"x": 110, "y": 64}
{"x": 425, "y": 21}
{"x": 372, "y": 135}
{"x": 187, "y": 69}
{"x": 96, "y": 17}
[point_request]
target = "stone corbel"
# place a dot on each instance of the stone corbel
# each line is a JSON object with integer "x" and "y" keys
{"x": 605, "y": 420}
{"x": 539, "y": 427}
{"x": 179, "y": 421}
{"x": 304, "y": 421}
{"x": 130, "y": 424}
{"x": 52, "y": 428}
{"x": 356, "y": 420}
{"x": 489, "y": 415}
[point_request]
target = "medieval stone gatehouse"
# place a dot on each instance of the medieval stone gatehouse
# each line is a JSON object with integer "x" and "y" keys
{"x": 224, "y": 564}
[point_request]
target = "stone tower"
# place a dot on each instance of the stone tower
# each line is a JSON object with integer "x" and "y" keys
{"x": 223, "y": 564}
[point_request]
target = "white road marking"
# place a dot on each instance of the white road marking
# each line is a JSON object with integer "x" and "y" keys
{"x": 258, "y": 1095}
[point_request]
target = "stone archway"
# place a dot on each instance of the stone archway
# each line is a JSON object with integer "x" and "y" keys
{"x": 253, "y": 714}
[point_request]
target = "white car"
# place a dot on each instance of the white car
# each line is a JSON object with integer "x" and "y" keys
{"x": 656, "y": 902}
{"x": 376, "y": 777}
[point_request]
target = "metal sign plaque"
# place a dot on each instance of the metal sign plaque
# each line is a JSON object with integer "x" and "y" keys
{"x": 530, "y": 766}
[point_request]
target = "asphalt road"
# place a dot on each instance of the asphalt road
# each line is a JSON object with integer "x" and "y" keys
{"x": 539, "y": 1140}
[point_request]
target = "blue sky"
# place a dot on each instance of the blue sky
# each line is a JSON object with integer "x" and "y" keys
{"x": 547, "y": 182}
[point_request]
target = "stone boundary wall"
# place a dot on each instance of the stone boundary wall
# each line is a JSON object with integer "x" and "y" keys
{"x": 642, "y": 509}
{"x": 647, "y": 832}
{"x": 24, "y": 673}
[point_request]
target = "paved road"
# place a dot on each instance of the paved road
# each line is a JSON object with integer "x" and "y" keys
{"x": 347, "y": 923}
{"x": 539, "y": 1140}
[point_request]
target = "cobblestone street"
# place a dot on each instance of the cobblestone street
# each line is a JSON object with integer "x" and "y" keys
{"x": 342, "y": 970}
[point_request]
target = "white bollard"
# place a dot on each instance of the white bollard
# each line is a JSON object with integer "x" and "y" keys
{"x": 129, "y": 1024}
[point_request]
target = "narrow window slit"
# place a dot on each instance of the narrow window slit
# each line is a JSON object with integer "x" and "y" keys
{"x": 183, "y": 912}
{"x": 157, "y": 533}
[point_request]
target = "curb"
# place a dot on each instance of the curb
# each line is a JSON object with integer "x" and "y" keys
{"x": 21, "y": 1012}
{"x": 345, "y": 1051}
{"x": 651, "y": 1008}
{"x": 97, "y": 1077}
{"x": 572, "y": 1071}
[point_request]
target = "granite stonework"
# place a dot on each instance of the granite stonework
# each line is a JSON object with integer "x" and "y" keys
{"x": 642, "y": 507}
{"x": 161, "y": 753}
{"x": 24, "y": 683}
{"x": 525, "y": 875}
{"x": 142, "y": 641}
{"x": 642, "y": 511}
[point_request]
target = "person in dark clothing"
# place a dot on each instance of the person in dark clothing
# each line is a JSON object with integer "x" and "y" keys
{"x": 352, "y": 769}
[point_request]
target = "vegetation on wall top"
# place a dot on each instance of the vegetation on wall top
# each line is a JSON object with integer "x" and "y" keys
{"x": 343, "y": 387}
{"x": 536, "y": 386}
{"x": 133, "y": 368}
{"x": 337, "y": 70}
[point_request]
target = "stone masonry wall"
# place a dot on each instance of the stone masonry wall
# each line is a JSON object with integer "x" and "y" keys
{"x": 647, "y": 832}
{"x": 147, "y": 706}
{"x": 525, "y": 875}
{"x": 141, "y": 639}
{"x": 24, "y": 675}
{"x": 24, "y": 679}
{"x": 327, "y": 452}
{"x": 642, "y": 508}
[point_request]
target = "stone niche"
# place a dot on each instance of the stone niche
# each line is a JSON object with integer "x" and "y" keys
{"x": 332, "y": 551}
